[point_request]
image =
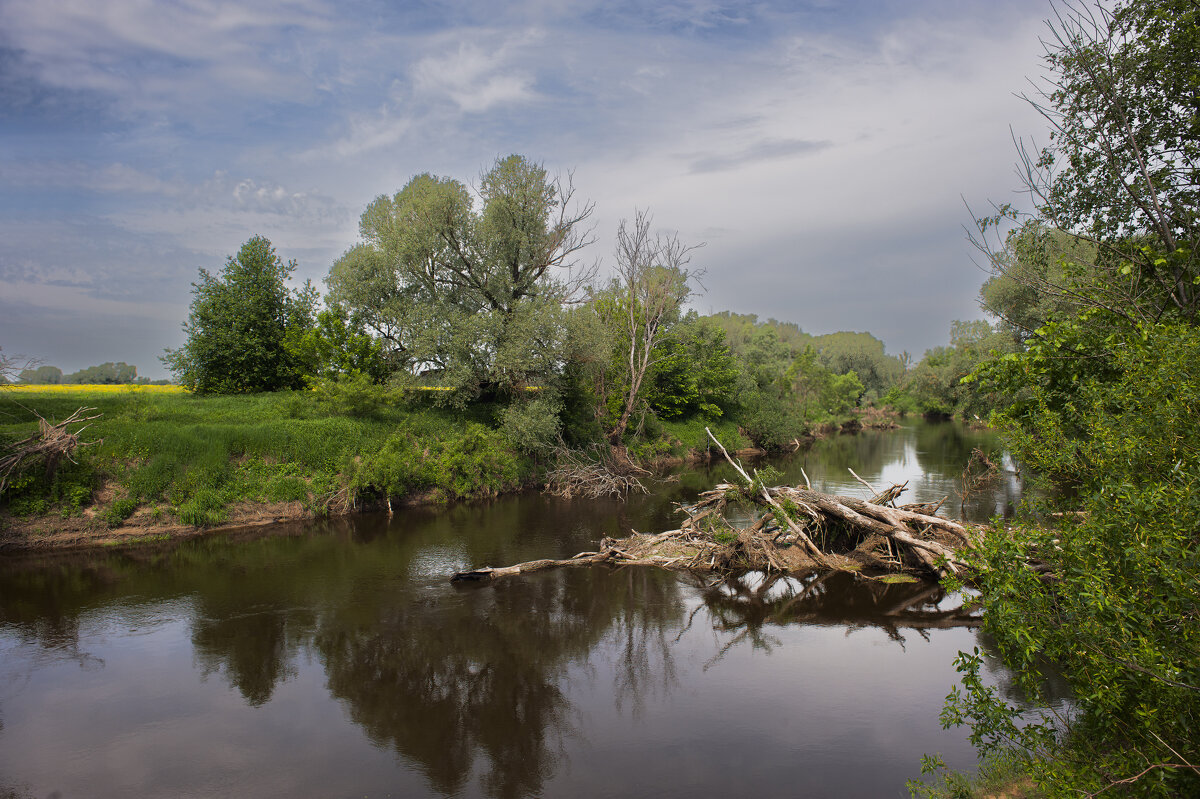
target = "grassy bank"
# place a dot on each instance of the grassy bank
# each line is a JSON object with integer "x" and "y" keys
{"x": 166, "y": 457}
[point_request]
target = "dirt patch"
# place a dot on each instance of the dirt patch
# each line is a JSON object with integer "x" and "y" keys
{"x": 36, "y": 533}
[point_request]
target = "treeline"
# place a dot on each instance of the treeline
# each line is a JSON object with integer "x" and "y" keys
{"x": 459, "y": 300}
{"x": 119, "y": 373}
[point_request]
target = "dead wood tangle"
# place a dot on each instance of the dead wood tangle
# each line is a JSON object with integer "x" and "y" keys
{"x": 786, "y": 530}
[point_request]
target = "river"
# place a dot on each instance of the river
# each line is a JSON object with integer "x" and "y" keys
{"x": 335, "y": 659}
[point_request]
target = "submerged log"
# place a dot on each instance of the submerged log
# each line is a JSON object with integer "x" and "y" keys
{"x": 795, "y": 530}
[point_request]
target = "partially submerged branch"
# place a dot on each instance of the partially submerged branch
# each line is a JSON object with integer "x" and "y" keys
{"x": 793, "y": 530}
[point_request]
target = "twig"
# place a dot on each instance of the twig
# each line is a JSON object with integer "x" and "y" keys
{"x": 870, "y": 487}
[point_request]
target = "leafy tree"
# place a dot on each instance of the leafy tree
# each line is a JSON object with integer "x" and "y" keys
{"x": 473, "y": 296}
{"x": 334, "y": 346}
{"x": 42, "y": 375}
{"x": 862, "y": 354}
{"x": 1122, "y": 171}
{"x": 105, "y": 374}
{"x": 1115, "y": 604}
{"x": 695, "y": 372}
{"x": 819, "y": 392}
{"x": 245, "y": 326}
{"x": 1042, "y": 268}
{"x": 937, "y": 384}
{"x": 1107, "y": 405}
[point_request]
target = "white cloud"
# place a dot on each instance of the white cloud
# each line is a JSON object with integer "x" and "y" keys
{"x": 114, "y": 178}
{"x": 818, "y": 159}
{"x": 150, "y": 55}
{"x": 365, "y": 133}
{"x": 218, "y": 215}
{"x": 476, "y": 79}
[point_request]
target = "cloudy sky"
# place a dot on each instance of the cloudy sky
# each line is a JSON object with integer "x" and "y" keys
{"x": 823, "y": 150}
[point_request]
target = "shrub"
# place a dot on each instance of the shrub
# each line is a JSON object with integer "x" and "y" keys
{"x": 532, "y": 427}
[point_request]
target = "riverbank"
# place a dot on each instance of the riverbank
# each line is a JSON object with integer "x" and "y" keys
{"x": 162, "y": 465}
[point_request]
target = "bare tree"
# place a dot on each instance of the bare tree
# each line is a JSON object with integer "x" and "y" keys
{"x": 11, "y": 367}
{"x": 653, "y": 282}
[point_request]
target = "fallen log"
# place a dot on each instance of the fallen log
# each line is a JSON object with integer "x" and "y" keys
{"x": 794, "y": 530}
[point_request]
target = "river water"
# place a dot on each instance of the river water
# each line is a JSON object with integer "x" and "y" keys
{"x": 335, "y": 658}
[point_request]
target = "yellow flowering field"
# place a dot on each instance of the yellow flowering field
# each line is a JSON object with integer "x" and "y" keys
{"x": 86, "y": 388}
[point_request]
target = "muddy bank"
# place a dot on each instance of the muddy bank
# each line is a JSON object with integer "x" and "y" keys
{"x": 42, "y": 533}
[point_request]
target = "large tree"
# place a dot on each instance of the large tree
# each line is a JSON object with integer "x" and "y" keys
{"x": 245, "y": 326}
{"x": 1122, "y": 169}
{"x": 471, "y": 294}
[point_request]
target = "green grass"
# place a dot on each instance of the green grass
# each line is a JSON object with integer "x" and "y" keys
{"x": 690, "y": 436}
{"x": 199, "y": 455}
{"x": 193, "y": 458}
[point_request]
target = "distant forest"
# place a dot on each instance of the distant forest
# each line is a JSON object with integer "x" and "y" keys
{"x": 119, "y": 373}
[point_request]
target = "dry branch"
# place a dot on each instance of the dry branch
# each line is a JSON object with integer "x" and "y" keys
{"x": 795, "y": 530}
{"x": 52, "y": 443}
{"x": 592, "y": 476}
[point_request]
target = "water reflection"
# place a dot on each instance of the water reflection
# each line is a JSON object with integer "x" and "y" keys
{"x": 443, "y": 679}
{"x": 746, "y": 604}
{"x": 503, "y": 690}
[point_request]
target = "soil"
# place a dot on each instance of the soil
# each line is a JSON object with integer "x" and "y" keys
{"x": 37, "y": 533}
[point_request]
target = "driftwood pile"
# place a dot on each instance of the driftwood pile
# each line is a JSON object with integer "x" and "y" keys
{"x": 593, "y": 474}
{"x": 52, "y": 443}
{"x": 783, "y": 530}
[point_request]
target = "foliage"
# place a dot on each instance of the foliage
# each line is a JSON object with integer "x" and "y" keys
{"x": 532, "y": 426}
{"x": 1122, "y": 171}
{"x": 245, "y": 326}
{"x": 941, "y": 385}
{"x": 1037, "y": 282}
{"x": 195, "y": 456}
{"x": 334, "y": 346}
{"x": 471, "y": 297}
{"x": 1121, "y": 616}
{"x": 695, "y": 372}
{"x": 42, "y": 375}
{"x": 353, "y": 394}
{"x": 863, "y": 354}
{"x": 1105, "y": 404}
{"x": 477, "y": 462}
{"x": 820, "y": 393}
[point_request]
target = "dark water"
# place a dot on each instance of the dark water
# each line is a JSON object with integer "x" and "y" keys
{"x": 335, "y": 659}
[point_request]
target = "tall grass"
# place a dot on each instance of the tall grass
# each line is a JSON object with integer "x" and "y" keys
{"x": 199, "y": 455}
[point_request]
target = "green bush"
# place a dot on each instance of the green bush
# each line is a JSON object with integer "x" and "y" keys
{"x": 477, "y": 464}
{"x": 532, "y": 427}
{"x": 204, "y": 508}
{"x": 120, "y": 510}
{"x": 354, "y": 394}
{"x": 1121, "y": 614}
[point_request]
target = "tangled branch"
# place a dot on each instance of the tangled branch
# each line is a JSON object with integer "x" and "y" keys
{"x": 52, "y": 443}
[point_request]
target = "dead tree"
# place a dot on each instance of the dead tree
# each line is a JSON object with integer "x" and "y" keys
{"x": 52, "y": 443}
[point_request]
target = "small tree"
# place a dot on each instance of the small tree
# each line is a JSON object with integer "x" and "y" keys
{"x": 640, "y": 304}
{"x": 245, "y": 326}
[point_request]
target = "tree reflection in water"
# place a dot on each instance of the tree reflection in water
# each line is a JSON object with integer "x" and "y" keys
{"x": 441, "y": 680}
{"x": 254, "y": 646}
{"x": 745, "y": 604}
